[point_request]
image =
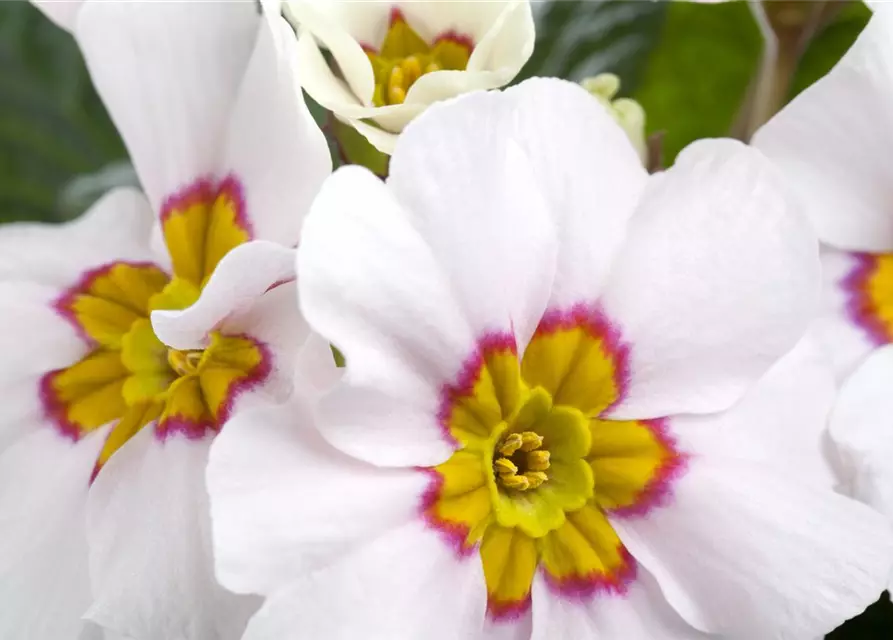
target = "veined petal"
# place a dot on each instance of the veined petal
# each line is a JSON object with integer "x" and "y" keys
{"x": 640, "y": 613}
{"x": 714, "y": 236}
{"x": 860, "y": 429}
{"x": 471, "y": 190}
{"x": 44, "y": 580}
{"x": 151, "y": 561}
{"x": 273, "y": 145}
{"x": 780, "y": 421}
{"x": 370, "y": 284}
{"x": 404, "y": 584}
{"x": 285, "y": 502}
{"x": 833, "y": 140}
{"x": 117, "y": 227}
{"x": 744, "y": 552}
{"x": 168, "y": 74}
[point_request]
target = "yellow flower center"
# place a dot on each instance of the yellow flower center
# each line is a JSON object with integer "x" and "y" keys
{"x": 405, "y": 57}
{"x": 129, "y": 378}
{"x": 540, "y": 466}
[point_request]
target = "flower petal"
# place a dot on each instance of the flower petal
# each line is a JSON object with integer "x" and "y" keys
{"x": 833, "y": 143}
{"x": 274, "y": 146}
{"x": 370, "y": 284}
{"x": 560, "y": 125}
{"x": 44, "y": 582}
{"x": 117, "y": 227}
{"x": 471, "y": 191}
{"x": 285, "y": 502}
{"x": 744, "y": 552}
{"x": 168, "y": 74}
{"x": 241, "y": 277}
{"x": 64, "y": 13}
{"x": 781, "y": 421}
{"x": 640, "y": 613}
{"x": 405, "y": 584}
{"x": 150, "y": 545}
{"x": 860, "y": 427}
{"x": 719, "y": 278}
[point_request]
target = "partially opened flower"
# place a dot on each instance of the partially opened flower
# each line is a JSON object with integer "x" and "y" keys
{"x": 833, "y": 143}
{"x": 108, "y": 415}
{"x": 531, "y": 325}
{"x": 389, "y": 60}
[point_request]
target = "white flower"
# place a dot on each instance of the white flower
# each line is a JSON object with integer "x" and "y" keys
{"x": 103, "y": 423}
{"x": 532, "y": 326}
{"x": 834, "y": 143}
{"x": 390, "y": 60}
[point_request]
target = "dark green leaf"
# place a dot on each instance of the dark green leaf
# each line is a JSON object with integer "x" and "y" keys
{"x": 580, "y": 38}
{"x": 698, "y": 75}
{"x": 53, "y": 126}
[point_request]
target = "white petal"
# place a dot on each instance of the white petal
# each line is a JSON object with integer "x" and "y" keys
{"x": 274, "y": 146}
{"x": 846, "y": 342}
{"x": 833, "y": 143}
{"x": 324, "y": 21}
{"x": 590, "y": 175}
{"x": 241, "y": 276}
{"x": 168, "y": 74}
{"x": 285, "y": 502}
{"x": 471, "y": 190}
{"x": 781, "y": 420}
{"x": 315, "y": 367}
{"x": 718, "y": 279}
{"x": 63, "y": 12}
{"x": 274, "y": 320}
{"x": 370, "y": 284}
{"x": 406, "y": 584}
{"x": 117, "y": 227}
{"x": 745, "y": 553}
{"x": 642, "y": 613}
{"x": 860, "y": 427}
{"x": 44, "y": 582}
{"x": 150, "y": 545}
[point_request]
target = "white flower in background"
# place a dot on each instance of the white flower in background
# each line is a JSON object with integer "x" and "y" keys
{"x": 387, "y": 61}
{"x": 834, "y": 143}
{"x": 533, "y": 437}
{"x": 107, "y": 415}
{"x": 626, "y": 112}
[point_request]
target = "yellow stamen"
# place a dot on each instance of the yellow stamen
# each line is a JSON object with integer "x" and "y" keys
{"x": 530, "y": 441}
{"x": 519, "y": 483}
{"x": 397, "y": 86}
{"x": 412, "y": 70}
{"x": 538, "y": 460}
{"x": 505, "y": 467}
{"x": 184, "y": 363}
{"x": 511, "y": 444}
{"x": 535, "y": 478}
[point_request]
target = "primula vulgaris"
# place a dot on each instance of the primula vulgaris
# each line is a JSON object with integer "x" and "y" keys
{"x": 543, "y": 430}
{"x": 389, "y": 60}
{"x": 832, "y": 142}
{"x": 130, "y": 334}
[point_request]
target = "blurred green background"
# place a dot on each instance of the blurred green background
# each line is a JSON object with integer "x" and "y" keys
{"x": 690, "y": 65}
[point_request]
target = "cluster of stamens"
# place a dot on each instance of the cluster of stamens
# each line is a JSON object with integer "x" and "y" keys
{"x": 184, "y": 363}
{"x": 522, "y": 463}
{"x": 404, "y": 74}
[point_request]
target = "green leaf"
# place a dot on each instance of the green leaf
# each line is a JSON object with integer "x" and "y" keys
{"x": 699, "y": 72}
{"x": 830, "y": 44}
{"x": 580, "y": 38}
{"x": 53, "y": 126}
{"x": 353, "y": 148}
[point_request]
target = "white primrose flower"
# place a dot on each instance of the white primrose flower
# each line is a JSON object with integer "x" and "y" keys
{"x": 131, "y": 334}
{"x": 388, "y": 60}
{"x": 833, "y": 142}
{"x": 542, "y": 431}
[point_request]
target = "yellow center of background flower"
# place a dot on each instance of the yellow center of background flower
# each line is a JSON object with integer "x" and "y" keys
{"x": 404, "y": 57}
{"x": 539, "y": 465}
